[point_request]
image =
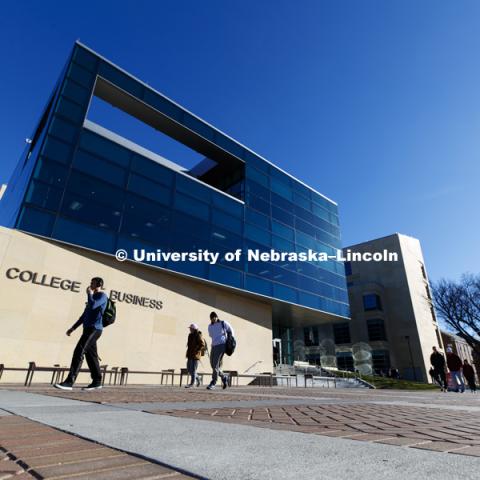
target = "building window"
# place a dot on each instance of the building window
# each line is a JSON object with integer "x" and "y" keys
{"x": 341, "y": 333}
{"x": 424, "y": 273}
{"x": 345, "y": 361}
{"x": 371, "y": 301}
{"x": 432, "y": 311}
{"x": 39, "y": 130}
{"x": 376, "y": 330}
{"x": 348, "y": 268}
{"x": 428, "y": 292}
{"x": 380, "y": 361}
{"x": 310, "y": 335}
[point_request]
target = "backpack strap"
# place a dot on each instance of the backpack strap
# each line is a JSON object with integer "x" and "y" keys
{"x": 224, "y": 329}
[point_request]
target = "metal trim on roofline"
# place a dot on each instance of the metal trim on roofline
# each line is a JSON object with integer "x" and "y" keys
{"x": 77, "y": 42}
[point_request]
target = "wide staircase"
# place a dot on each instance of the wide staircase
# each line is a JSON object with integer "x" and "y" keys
{"x": 316, "y": 376}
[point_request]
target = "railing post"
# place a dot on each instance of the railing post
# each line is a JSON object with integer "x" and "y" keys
{"x": 56, "y": 366}
{"x": 104, "y": 370}
{"x": 31, "y": 369}
{"x": 123, "y": 376}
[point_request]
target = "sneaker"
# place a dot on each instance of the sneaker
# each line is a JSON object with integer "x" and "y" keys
{"x": 189, "y": 385}
{"x": 93, "y": 386}
{"x": 64, "y": 386}
{"x": 211, "y": 387}
{"x": 225, "y": 382}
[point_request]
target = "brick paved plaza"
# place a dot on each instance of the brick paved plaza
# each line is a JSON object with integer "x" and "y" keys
{"x": 35, "y": 444}
{"x": 32, "y": 450}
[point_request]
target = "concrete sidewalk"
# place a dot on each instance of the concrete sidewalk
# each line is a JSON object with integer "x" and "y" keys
{"x": 220, "y": 450}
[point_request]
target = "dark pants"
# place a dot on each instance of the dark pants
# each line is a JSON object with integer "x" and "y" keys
{"x": 471, "y": 383}
{"x": 440, "y": 377}
{"x": 86, "y": 347}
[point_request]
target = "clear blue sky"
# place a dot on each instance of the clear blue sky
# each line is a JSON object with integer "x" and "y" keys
{"x": 376, "y": 104}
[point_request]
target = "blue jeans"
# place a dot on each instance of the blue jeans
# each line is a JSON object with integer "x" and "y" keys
{"x": 457, "y": 376}
{"x": 192, "y": 366}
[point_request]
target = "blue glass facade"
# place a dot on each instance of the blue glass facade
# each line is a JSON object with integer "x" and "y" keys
{"x": 77, "y": 184}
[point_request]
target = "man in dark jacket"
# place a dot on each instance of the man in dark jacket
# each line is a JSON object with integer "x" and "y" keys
{"x": 92, "y": 320}
{"x": 195, "y": 350}
{"x": 438, "y": 363}
{"x": 469, "y": 374}
{"x": 454, "y": 364}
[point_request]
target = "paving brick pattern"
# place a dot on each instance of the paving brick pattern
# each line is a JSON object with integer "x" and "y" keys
{"x": 145, "y": 395}
{"x": 176, "y": 394}
{"x": 165, "y": 394}
{"x": 31, "y": 450}
{"x": 422, "y": 420}
{"x": 420, "y": 397}
{"x": 417, "y": 427}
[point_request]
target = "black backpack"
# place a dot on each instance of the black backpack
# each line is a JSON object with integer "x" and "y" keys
{"x": 231, "y": 343}
{"x": 109, "y": 314}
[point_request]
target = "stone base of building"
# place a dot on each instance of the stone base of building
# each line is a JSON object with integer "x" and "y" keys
{"x": 42, "y": 293}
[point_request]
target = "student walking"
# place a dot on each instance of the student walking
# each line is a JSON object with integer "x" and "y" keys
{"x": 92, "y": 320}
{"x": 195, "y": 349}
{"x": 469, "y": 374}
{"x": 218, "y": 331}
{"x": 455, "y": 366}
{"x": 438, "y": 369}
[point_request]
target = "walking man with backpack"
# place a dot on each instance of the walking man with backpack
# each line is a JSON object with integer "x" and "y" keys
{"x": 438, "y": 371}
{"x": 222, "y": 336}
{"x": 93, "y": 323}
{"x": 196, "y": 347}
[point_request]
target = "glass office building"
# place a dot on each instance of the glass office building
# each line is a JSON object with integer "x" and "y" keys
{"x": 80, "y": 183}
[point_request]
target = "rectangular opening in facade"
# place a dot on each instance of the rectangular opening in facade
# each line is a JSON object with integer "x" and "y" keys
{"x": 129, "y": 127}
{"x": 202, "y": 158}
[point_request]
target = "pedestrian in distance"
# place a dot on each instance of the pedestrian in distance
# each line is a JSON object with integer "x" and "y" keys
{"x": 455, "y": 366}
{"x": 219, "y": 331}
{"x": 276, "y": 355}
{"x": 469, "y": 374}
{"x": 92, "y": 320}
{"x": 438, "y": 369}
{"x": 196, "y": 348}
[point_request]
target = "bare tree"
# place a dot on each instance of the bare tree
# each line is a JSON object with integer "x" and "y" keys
{"x": 458, "y": 304}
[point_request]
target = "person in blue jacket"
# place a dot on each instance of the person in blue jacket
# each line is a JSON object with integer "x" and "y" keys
{"x": 91, "y": 319}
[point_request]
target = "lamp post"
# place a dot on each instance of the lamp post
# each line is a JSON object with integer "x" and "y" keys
{"x": 407, "y": 338}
